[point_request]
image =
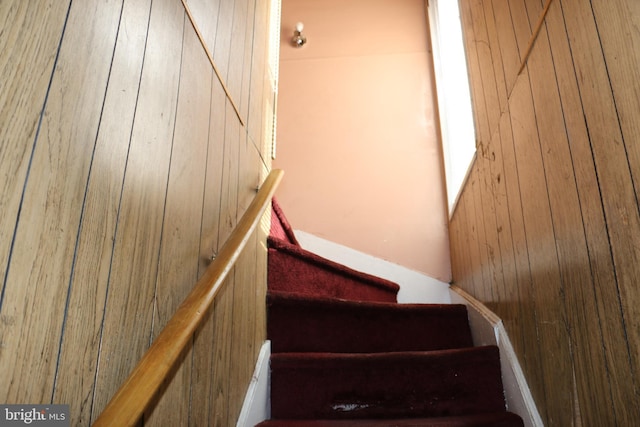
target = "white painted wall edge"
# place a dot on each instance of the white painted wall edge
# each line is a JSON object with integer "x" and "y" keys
{"x": 414, "y": 287}
{"x": 257, "y": 405}
{"x": 488, "y": 329}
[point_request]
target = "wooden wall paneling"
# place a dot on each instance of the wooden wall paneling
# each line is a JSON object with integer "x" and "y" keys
{"x": 76, "y": 369}
{"x": 29, "y": 44}
{"x": 543, "y": 260}
{"x": 243, "y": 346}
{"x": 482, "y": 275}
{"x": 206, "y": 13}
{"x": 527, "y": 321}
{"x": 205, "y": 348}
{"x": 486, "y": 65}
{"x": 475, "y": 79}
{"x": 180, "y": 245}
{"x": 458, "y": 275}
{"x": 507, "y": 283}
{"x": 614, "y": 176}
{"x": 258, "y": 75}
{"x": 260, "y": 308}
{"x": 462, "y": 272}
{"x": 129, "y": 307}
{"x": 221, "y": 349}
{"x": 577, "y": 283}
{"x": 496, "y": 55}
{"x": 222, "y": 47}
{"x": 478, "y": 250}
{"x": 237, "y": 50}
{"x": 230, "y": 171}
{"x": 247, "y": 69}
{"x": 495, "y": 284}
{"x": 617, "y": 29}
{"x": 521, "y": 26}
{"x": 39, "y": 270}
{"x": 620, "y": 41}
{"x": 473, "y": 276}
{"x": 507, "y": 42}
{"x": 606, "y": 293}
{"x": 223, "y": 310}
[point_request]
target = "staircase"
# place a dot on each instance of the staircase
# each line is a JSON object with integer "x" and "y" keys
{"x": 344, "y": 353}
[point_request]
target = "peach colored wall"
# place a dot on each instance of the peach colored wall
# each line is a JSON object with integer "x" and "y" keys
{"x": 357, "y": 134}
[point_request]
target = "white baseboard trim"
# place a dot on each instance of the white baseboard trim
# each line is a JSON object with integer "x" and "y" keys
{"x": 488, "y": 329}
{"x": 257, "y": 405}
{"x": 414, "y": 287}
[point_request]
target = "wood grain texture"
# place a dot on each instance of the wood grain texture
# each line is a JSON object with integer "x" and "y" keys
{"x": 165, "y": 353}
{"x": 258, "y": 78}
{"x": 207, "y": 49}
{"x": 38, "y": 274}
{"x": 180, "y": 249}
{"x": 128, "y": 316}
{"x": 76, "y": 370}
{"x": 97, "y": 122}
{"x": 567, "y": 195}
{"x": 29, "y": 41}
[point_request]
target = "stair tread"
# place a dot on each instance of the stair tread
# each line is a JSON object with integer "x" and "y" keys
{"x": 495, "y": 419}
{"x": 396, "y": 384}
{"x": 303, "y": 323}
{"x": 294, "y": 269}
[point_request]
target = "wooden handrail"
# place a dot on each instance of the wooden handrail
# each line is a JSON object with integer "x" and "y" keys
{"x": 129, "y": 403}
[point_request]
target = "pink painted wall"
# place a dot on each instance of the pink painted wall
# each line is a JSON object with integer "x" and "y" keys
{"x": 356, "y": 131}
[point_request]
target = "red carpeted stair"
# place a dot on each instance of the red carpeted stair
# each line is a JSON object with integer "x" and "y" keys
{"x": 344, "y": 353}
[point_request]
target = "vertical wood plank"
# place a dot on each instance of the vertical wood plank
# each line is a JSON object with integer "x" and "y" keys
{"x": 614, "y": 176}
{"x": 180, "y": 251}
{"x": 259, "y": 77}
{"x": 531, "y": 357}
{"x": 490, "y": 243}
{"x": 204, "y": 351}
{"x": 506, "y": 284}
{"x": 496, "y": 56}
{"x": 222, "y": 47}
{"x": 205, "y": 13}
{"x": 129, "y": 306}
{"x": 486, "y": 64}
{"x": 221, "y": 348}
{"x": 77, "y": 369}
{"x": 543, "y": 258}
{"x": 262, "y": 231}
{"x": 247, "y": 68}
{"x": 243, "y": 348}
{"x": 617, "y": 25}
{"x": 507, "y": 42}
{"x": 28, "y": 42}
{"x": 476, "y": 239}
{"x": 38, "y": 276}
{"x": 475, "y": 77}
{"x": 617, "y": 30}
{"x": 577, "y": 284}
{"x": 237, "y": 50}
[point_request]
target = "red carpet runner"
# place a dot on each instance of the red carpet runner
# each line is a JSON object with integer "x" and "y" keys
{"x": 344, "y": 353}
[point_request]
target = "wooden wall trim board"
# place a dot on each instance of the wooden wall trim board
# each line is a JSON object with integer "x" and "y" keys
{"x": 534, "y": 35}
{"x": 552, "y": 200}
{"x": 213, "y": 64}
{"x": 488, "y": 329}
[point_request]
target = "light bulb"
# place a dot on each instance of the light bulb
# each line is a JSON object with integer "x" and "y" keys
{"x": 299, "y": 27}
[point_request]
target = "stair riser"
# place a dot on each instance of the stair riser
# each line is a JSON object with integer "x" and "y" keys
{"x": 387, "y": 385}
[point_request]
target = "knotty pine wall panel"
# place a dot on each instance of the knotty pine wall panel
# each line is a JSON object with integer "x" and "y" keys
{"x": 124, "y": 170}
{"x": 551, "y": 201}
